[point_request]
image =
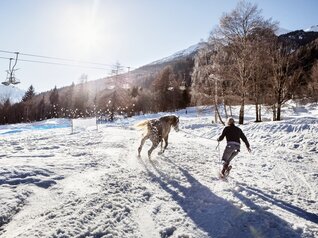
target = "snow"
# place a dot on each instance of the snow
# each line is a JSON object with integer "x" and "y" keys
{"x": 181, "y": 53}
{"x": 84, "y": 123}
{"x": 92, "y": 184}
{"x": 312, "y": 28}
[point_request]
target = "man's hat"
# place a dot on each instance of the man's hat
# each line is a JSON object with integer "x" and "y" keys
{"x": 230, "y": 121}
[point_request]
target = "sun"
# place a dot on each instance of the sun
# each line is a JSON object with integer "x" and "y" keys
{"x": 82, "y": 29}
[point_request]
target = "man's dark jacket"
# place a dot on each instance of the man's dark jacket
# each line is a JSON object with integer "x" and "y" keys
{"x": 233, "y": 134}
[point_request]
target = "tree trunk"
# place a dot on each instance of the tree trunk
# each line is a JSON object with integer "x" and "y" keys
{"x": 218, "y": 114}
{"x": 225, "y": 111}
{"x": 274, "y": 112}
{"x": 241, "y": 116}
{"x": 113, "y": 107}
{"x": 256, "y": 110}
{"x": 224, "y": 104}
{"x": 279, "y": 106}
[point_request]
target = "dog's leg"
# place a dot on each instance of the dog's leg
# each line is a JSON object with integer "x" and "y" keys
{"x": 161, "y": 143}
{"x": 154, "y": 146}
{"x": 142, "y": 143}
{"x": 166, "y": 144}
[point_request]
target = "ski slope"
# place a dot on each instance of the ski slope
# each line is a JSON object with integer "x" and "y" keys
{"x": 92, "y": 184}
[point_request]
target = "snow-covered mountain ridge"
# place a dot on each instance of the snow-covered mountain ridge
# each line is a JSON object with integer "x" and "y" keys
{"x": 312, "y": 28}
{"x": 191, "y": 50}
{"x": 180, "y": 54}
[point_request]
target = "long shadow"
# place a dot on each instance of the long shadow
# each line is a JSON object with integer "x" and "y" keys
{"x": 217, "y": 216}
{"x": 38, "y": 182}
{"x": 30, "y": 177}
{"x": 284, "y": 205}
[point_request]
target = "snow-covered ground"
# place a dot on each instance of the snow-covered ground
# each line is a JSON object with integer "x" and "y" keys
{"x": 92, "y": 184}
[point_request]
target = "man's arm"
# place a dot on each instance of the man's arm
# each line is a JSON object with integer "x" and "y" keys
{"x": 243, "y": 137}
{"x": 221, "y": 137}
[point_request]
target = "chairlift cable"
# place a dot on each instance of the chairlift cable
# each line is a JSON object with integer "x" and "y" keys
{"x": 61, "y": 64}
{"x": 55, "y": 63}
{"x": 62, "y": 59}
{"x": 5, "y": 58}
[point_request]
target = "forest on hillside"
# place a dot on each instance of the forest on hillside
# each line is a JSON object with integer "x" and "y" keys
{"x": 243, "y": 61}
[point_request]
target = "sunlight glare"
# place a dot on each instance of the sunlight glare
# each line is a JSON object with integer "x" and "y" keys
{"x": 83, "y": 29}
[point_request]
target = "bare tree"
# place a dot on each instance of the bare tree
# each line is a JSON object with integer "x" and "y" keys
{"x": 202, "y": 92}
{"x": 314, "y": 81}
{"x": 284, "y": 76}
{"x": 115, "y": 95}
{"x": 259, "y": 84}
{"x": 233, "y": 38}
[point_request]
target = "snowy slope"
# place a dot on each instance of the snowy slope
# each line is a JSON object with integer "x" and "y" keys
{"x": 92, "y": 184}
{"x": 180, "y": 54}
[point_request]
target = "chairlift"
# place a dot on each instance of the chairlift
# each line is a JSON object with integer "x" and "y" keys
{"x": 11, "y": 79}
{"x": 15, "y": 81}
{"x": 6, "y": 83}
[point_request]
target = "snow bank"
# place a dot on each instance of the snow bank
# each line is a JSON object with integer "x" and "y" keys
{"x": 84, "y": 123}
{"x": 42, "y": 125}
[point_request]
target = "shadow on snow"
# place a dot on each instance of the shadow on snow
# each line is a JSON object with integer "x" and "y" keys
{"x": 216, "y": 216}
{"x": 284, "y": 205}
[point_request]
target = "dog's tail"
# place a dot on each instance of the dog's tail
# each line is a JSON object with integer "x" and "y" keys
{"x": 143, "y": 125}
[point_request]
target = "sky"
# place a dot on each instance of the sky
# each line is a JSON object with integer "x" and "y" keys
{"x": 130, "y": 32}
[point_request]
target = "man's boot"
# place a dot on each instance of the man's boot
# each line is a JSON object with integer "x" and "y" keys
{"x": 225, "y": 166}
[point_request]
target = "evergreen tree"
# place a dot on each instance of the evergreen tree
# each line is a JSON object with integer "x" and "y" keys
{"x": 41, "y": 110}
{"x": 29, "y": 94}
{"x": 54, "y": 102}
{"x": 6, "y": 112}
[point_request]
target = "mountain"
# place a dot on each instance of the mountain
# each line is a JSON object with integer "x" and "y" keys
{"x": 190, "y": 51}
{"x": 182, "y": 63}
{"x": 283, "y": 31}
{"x": 312, "y": 28}
{"x": 101, "y": 92}
{"x": 300, "y": 37}
{"x": 13, "y": 93}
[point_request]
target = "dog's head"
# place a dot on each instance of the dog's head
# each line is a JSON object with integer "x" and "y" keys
{"x": 175, "y": 122}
